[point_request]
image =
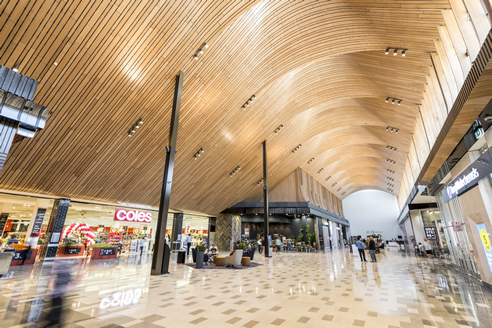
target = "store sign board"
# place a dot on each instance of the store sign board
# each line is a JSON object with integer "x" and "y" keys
{"x": 430, "y": 233}
{"x": 132, "y": 216}
{"x": 107, "y": 251}
{"x": 3, "y": 222}
{"x": 38, "y": 222}
{"x": 73, "y": 250}
{"x": 470, "y": 177}
{"x": 482, "y": 230}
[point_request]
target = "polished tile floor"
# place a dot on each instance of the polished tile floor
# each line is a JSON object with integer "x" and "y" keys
{"x": 330, "y": 289}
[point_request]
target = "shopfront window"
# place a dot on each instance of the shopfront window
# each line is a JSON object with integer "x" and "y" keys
{"x": 453, "y": 225}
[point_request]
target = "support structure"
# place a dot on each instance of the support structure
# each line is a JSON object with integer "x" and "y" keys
{"x": 54, "y": 230}
{"x": 160, "y": 260}
{"x": 266, "y": 230}
{"x": 177, "y": 238}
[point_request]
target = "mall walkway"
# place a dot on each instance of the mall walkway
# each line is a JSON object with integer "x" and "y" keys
{"x": 292, "y": 290}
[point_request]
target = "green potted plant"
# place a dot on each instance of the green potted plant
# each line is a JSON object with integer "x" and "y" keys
{"x": 200, "y": 251}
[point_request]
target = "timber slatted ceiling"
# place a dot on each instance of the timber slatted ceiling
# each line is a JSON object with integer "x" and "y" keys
{"x": 317, "y": 67}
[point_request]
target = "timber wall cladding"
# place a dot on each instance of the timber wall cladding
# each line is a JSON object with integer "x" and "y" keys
{"x": 116, "y": 62}
{"x": 228, "y": 230}
{"x": 301, "y": 187}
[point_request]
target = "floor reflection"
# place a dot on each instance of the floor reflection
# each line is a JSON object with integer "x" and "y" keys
{"x": 332, "y": 288}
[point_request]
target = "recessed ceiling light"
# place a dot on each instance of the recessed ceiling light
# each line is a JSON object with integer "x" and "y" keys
{"x": 56, "y": 64}
{"x": 15, "y": 68}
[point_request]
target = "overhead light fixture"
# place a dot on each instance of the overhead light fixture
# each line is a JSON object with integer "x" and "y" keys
{"x": 280, "y": 127}
{"x": 296, "y": 149}
{"x": 195, "y": 56}
{"x": 236, "y": 169}
{"x": 135, "y": 127}
{"x": 206, "y": 45}
{"x": 55, "y": 63}
{"x": 387, "y": 99}
{"x": 200, "y": 50}
{"x": 16, "y": 68}
{"x": 399, "y": 102}
{"x": 391, "y": 129}
{"x": 387, "y": 128}
{"x": 395, "y": 51}
{"x": 393, "y": 101}
{"x": 250, "y": 100}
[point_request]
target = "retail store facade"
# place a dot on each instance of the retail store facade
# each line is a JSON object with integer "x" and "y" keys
{"x": 463, "y": 192}
{"x": 288, "y": 219}
{"x": 86, "y": 225}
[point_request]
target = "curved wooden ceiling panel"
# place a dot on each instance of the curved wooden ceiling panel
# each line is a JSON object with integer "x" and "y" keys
{"x": 318, "y": 68}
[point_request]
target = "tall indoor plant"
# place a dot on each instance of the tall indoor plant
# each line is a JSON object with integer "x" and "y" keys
{"x": 200, "y": 251}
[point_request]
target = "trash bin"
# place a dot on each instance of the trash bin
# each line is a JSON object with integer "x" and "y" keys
{"x": 181, "y": 256}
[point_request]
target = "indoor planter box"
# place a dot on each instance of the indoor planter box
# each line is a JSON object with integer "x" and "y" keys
{"x": 30, "y": 257}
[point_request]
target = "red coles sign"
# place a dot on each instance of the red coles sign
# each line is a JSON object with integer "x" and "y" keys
{"x": 132, "y": 216}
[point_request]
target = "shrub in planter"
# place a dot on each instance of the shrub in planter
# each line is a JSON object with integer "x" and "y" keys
{"x": 200, "y": 251}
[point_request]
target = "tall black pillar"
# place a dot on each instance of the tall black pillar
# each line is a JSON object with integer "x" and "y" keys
{"x": 304, "y": 224}
{"x": 54, "y": 229}
{"x": 266, "y": 230}
{"x": 160, "y": 260}
{"x": 177, "y": 238}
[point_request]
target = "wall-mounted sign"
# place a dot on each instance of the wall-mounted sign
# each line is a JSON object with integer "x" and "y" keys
{"x": 3, "y": 222}
{"x": 132, "y": 216}
{"x": 478, "y": 131}
{"x": 454, "y": 188}
{"x": 430, "y": 233}
{"x": 38, "y": 222}
{"x": 470, "y": 177}
{"x": 485, "y": 243}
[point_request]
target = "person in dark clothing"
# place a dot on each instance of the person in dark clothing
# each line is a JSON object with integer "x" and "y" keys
{"x": 360, "y": 246}
{"x": 372, "y": 249}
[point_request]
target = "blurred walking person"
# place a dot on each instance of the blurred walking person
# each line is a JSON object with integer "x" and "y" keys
{"x": 63, "y": 277}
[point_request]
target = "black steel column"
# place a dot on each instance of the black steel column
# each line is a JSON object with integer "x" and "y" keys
{"x": 160, "y": 260}
{"x": 177, "y": 238}
{"x": 304, "y": 224}
{"x": 266, "y": 229}
{"x": 54, "y": 229}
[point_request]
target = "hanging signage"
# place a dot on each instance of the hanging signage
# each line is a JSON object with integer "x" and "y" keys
{"x": 484, "y": 237}
{"x": 3, "y": 222}
{"x": 470, "y": 177}
{"x": 132, "y": 216}
{"x": 430, "y": 233}
{"x": 38, "y": 222}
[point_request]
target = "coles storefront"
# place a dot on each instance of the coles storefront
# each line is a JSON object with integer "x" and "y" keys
{"x": 89, "y": 225}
